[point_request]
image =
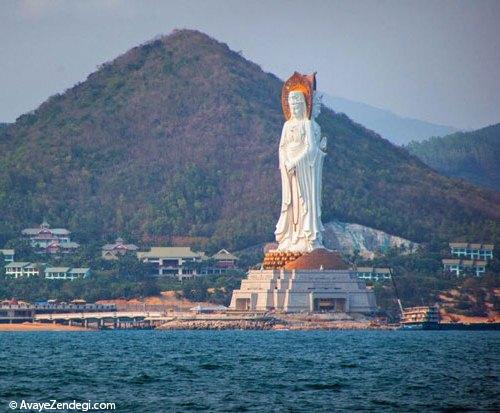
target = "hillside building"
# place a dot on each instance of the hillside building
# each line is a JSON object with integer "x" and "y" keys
{"x": 23, "y": 269}
{"x": 117, "y": 249}
{"x": 224, "y": 260}
{"x": 46, "y": 240}
{"x": 470, "y": 251}
{"x": 66, "y": 273}
{"x": 182, "y": 262}
{"x": 373, "y": 273}
{"x": 172, "y": 261}
{"x": 31, "y": 269}
{"x": 464, "y": 267}
{"x": 7, "y": 255}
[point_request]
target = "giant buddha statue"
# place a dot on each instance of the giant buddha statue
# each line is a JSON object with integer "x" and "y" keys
{"x": 301, "y": 154}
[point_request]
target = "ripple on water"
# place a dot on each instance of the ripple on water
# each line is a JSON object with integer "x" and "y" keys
{"x": 144, "y": 371}
{"x": 324, "y": 386}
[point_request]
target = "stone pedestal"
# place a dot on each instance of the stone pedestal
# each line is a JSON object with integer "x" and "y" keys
{"x": 301, "y": 290}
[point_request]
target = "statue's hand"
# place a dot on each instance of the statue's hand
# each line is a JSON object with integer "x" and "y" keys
{"x": 322, "y": 144}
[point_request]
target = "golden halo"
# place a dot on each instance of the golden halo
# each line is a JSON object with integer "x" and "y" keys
{"x": 302, "y": 83}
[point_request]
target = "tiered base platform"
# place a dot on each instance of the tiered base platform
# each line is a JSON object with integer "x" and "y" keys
{"x": 318, "y": 281}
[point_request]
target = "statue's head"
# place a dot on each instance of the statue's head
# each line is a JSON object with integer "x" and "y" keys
{"x": 297, "y": 103}
{"x": 317, "y": 100}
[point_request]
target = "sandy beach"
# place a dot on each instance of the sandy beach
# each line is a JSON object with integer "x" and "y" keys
{"x": 41, "y": 327}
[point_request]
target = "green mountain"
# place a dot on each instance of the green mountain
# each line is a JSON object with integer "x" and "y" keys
{"x": 180, "y": 136}
{"x": 473, "y": 156}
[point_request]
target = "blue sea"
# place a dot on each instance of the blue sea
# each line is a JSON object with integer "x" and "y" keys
{"x": 255, "y": 371}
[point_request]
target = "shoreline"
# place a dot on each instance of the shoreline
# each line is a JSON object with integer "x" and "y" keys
{"x": 27, "y": 327}
{"x": 218, "y": 322}
{"x": 267, "y": 322}
{"x": 200, "y": 325}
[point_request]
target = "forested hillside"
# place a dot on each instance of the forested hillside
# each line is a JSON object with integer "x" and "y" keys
{"x": 180, "y": 136}
{"x": 473, "y": 156}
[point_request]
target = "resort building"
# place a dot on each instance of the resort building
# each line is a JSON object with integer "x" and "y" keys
{"x": 471, "y": 251}
{"x": 23, "y": 269}
{"x": 224, "y": 261}
{"x": 373, "y": 273}
{"x": 119, "y": 248}
{"x": 66, "y": 273}
{"x": 8, "y": 255}
{"x": 46, "y": 240}
{"x": 81, "y": 272}
{"x": 173, "y": 261}
{"x": 12, "y": 311}
{"x": 182, "y": 262}
{"x": 54, "y": 273}
{"x": 464, "y": 267}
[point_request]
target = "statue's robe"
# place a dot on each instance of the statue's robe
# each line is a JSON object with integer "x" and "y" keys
{"x": 299, "y": 227}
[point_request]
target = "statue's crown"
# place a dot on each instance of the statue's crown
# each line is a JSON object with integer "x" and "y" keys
{"x": 302, "y": 83}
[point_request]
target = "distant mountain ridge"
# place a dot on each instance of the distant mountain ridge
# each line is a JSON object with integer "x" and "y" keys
{"x": 397, "y": 129}
{"x": 472, "y": 156}
{"x": 179, "y": 136}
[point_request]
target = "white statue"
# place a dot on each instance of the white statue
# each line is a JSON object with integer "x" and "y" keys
{"x": 301, "y": 155}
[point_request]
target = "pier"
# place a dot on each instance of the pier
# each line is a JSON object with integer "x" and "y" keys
{"x": 105, "y": 319}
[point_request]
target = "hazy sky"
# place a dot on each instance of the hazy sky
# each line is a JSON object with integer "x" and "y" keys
{"x": 434, "y": 60}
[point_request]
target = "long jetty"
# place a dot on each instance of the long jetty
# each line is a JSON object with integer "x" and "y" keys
{"x": 105, "y": 319}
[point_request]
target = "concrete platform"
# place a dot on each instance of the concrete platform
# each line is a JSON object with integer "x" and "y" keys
{"x": 303, "y": 291}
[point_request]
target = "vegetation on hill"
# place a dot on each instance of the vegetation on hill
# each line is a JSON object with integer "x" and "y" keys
{"x": 179, "y": 136}
{"x": 472, "y": 156}
{"x": 420, "y": 281}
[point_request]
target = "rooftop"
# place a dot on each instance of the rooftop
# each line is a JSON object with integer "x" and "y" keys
{"x": 36, "y": 231}
{"x": 466, "y": 263}
{"x": 79, "y": 270}
{"x": 120, "y": 244}
{"x": 224, "y": 254}
{"x": 57, "y": 269}
{"x": 170, "y": 252}
{"x": 17, "y": 264}
{"x": 471, "y": 245}
{"x": 374, "y": 269}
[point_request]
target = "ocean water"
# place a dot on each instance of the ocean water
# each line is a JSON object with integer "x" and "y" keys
{"x": 255, "y": 371}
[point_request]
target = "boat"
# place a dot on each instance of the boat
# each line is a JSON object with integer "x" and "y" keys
{"x": 420, "y": 318}
{"x": 427, "y": 318}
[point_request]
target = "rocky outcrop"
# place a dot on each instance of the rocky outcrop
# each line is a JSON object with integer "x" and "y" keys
{"x": 347, "y": 238}
{"x": 275, "y": 322}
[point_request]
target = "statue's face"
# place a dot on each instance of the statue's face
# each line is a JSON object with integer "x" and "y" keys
{"x": 297, "y": 104}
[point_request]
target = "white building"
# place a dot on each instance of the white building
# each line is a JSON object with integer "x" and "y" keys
{"x": 173, "y": 261}
{"x": 374, "y": 273}
{"x": 81, "y": 272}
{"x": 464, "y": 267}
{"x": 8, "y": 255}
{"x": 471, "y": 251}
{"x": 23, "y": 269}
{"x": 182, "y": 262}
{"x": 66, "y": 273}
